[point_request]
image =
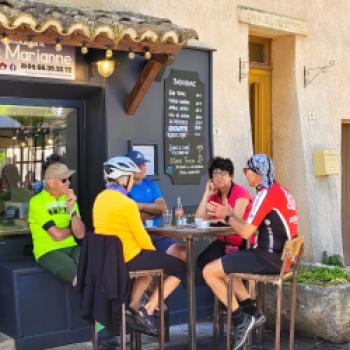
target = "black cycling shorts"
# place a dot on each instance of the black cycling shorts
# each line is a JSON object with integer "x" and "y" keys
{"x": 153, "y": 259}
{"x": 247, "y": 261}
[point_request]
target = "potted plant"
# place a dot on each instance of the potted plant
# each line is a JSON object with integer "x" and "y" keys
{"x": 323, "y": 301}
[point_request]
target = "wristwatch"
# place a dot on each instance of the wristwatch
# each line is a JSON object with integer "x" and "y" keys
{"x": 72, "y": 213}
{"x": 227, "y": 218}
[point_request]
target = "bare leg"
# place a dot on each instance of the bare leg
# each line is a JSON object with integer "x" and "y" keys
{"x": 170, "y": 285}
{"x": 240, "y": 290}
{"x": 139, "y": 287}
{"x": 75, "y": 281}
{"x": 215, "y": 277}
{"x": 178, "y": 251}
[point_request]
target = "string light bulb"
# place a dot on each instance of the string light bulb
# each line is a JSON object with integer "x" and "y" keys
{"x": 109, "y": 53}
{"x": 147, "y": 55}
{"x": 5, "y": 39}
{"x": 31, "y": 44}
{"x": 131, "y": 55}
{"x": 84, "y": 50}
{"x": 58, "y": 46}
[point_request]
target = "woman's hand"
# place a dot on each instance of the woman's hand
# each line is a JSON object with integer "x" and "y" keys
{"x": 219, "y": 210}
{"x": 210, "y": 188}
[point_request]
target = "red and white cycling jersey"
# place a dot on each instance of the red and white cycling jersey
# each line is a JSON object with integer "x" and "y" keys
{"x": 274, "y": 213}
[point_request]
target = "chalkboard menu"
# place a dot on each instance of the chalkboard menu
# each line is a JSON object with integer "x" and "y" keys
{"x": 185, "y": 128}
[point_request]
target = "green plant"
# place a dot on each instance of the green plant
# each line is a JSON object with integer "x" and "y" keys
{"x": 323, "y": 276}
{"x": 332, "y": 260}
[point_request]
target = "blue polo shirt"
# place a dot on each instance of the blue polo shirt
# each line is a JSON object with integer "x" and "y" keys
{"x": 147, "y": 192}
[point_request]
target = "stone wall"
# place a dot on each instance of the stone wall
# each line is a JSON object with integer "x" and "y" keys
{"x": 322, "y": 312}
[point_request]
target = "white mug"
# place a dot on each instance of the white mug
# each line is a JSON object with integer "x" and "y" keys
{"x": 149, "y": 223}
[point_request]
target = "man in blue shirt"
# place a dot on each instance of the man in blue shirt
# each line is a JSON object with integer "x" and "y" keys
{"x": 152, "y": 205}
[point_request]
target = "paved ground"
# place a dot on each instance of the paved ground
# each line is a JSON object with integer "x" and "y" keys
{"x": 178, "y": 341}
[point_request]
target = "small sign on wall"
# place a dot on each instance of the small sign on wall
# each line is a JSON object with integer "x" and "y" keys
{"x": 325, "y": 162}
{"x": 150, "y": 152}
{"x": 32, "y": 59}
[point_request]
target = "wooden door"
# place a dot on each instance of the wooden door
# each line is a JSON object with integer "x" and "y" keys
{"x": 260, "y": 110}
{"x": 346, "y": 190}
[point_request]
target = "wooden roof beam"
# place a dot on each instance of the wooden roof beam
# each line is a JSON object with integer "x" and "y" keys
{"x": 149, "y": 73}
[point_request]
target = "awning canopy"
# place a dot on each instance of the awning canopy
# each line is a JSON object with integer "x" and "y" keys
{"x": 118, "y": 30}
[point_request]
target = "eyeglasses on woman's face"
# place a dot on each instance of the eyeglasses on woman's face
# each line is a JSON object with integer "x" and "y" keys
{"x": 221, "y": 173}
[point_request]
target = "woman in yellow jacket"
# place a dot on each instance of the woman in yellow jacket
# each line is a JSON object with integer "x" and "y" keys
{"x": 114, "y": 213}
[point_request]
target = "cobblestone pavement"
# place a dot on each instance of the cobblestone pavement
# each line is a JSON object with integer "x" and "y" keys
{"x": 178, "y": 341}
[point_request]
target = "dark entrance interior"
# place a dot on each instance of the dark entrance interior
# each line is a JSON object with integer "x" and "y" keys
{"x": 88, "y": 101}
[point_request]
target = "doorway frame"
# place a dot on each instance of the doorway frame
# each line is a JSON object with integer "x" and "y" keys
{"x": 260, "y": 73}
{"x": 345, "y": 181}
{"x": 79, "y": 105}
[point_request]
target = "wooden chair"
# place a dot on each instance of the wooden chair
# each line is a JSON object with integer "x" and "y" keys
{"x": 292, "y": 250}
{"x": 136, "y": 336}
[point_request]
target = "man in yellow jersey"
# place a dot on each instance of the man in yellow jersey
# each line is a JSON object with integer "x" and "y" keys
{"x": 114, "y": 213}
{"x": 55, "y": 222}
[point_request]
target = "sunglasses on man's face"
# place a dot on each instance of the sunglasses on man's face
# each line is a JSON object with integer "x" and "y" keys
{"x": 66, "y": 180}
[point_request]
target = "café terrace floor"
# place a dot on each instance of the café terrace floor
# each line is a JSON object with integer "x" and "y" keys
{"x": 178, "y": 341}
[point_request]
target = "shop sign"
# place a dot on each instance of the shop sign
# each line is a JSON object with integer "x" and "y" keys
{"x": 31, "y": 59}
{"x": 268, "y": 20}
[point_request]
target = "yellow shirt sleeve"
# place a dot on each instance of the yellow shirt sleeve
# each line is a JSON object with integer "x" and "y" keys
{"x": 137, "y": 229}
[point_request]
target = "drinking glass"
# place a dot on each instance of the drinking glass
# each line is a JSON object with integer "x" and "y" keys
{"x": 167, "y": 218}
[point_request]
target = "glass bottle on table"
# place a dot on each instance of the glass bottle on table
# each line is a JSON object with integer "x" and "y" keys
{"x": 179, "y": 212}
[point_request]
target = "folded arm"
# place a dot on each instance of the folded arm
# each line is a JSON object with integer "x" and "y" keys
{"x": 149, "y": 210}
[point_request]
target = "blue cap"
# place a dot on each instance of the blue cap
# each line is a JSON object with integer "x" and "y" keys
{"x": 137, "y": 157}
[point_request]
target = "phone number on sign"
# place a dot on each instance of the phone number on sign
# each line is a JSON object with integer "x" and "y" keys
{"x": 44, "y": 67}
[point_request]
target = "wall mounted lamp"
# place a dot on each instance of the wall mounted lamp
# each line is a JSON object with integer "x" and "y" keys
{"x": 310, "y": 74}
{"x": 105, "y": 67}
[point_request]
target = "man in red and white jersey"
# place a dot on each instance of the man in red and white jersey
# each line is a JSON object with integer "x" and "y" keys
{"x": 274, "y": 213}
{"x": 274, "y": 219}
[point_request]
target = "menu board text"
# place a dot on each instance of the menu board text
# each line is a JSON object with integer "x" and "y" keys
{"x": 185, "y": 130}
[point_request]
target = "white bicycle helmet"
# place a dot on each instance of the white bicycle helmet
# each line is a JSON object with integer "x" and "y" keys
{"x": 119, "y": 166}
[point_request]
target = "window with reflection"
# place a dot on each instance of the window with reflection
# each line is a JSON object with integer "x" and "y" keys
{"x": 30, "y": 138}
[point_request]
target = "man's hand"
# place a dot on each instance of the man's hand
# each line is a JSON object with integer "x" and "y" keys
{"x": 58, "y": 234}
{"x": 70, "y": 199}
{"x": 141, "y": 206}
{"x": 219, "y": 210}
{"x": 146, "y": 216}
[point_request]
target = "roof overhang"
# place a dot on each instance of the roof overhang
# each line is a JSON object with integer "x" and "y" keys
{"x": 119, "y": 30}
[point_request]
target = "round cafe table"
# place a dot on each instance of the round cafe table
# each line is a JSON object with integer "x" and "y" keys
{"x": 189, "y": 233}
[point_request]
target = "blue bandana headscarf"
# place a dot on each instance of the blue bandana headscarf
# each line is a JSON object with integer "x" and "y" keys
{"x": 262, "y": 164}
